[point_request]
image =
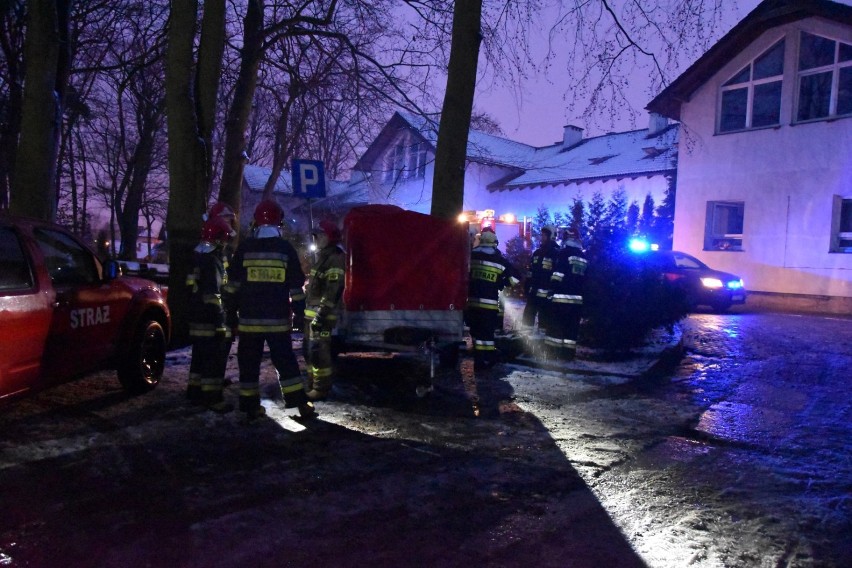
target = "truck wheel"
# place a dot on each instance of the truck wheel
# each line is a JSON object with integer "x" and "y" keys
{"x": 142, "y": 367}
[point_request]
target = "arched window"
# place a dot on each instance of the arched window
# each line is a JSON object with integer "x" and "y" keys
{"x": 752, "y": 97}
{"x": 825, "y": 78}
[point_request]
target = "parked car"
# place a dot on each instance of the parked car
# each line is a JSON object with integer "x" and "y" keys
{"x": 66, "y": 313}
{"x": 702, "y": 285}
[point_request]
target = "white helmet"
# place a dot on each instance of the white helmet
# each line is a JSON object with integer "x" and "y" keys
{"x": 488, "y": 239}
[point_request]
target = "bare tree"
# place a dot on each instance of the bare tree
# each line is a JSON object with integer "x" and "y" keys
{"x": 11, "y": 91}
{"x": 451, "y": 152}
{"x": 192, "y": 86}
{"x": 46, "y": 77}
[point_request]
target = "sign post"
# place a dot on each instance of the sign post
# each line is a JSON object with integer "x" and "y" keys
{"x": 308, "y": 183}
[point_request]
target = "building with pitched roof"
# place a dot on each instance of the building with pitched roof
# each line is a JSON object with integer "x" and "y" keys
{"x": 514, "y": 179}
{"x": 298, "y": 211}
{"x": 765, "y": 167}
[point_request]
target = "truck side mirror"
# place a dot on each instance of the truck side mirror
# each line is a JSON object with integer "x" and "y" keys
{"x": 112, "y": 270}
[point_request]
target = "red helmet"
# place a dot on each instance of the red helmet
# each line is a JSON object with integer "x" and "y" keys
{"x": 331, "y": 231}
{"x": 220, "y": 209}
{"x": 268, "y": 212}
{"x": 217, "y": 229}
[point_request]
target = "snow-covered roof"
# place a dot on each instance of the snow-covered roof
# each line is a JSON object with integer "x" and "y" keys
{"x": 614, "y": 155}
{"x": 481, "y": 147}
{"x": 255, "y": 179}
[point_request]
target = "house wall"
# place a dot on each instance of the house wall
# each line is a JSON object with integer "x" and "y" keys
{"x": 526, "y": 201}
{"x": 416, "y": 194}
{"x": 786, "y": 176}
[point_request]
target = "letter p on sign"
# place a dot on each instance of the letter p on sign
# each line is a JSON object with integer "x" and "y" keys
{"x": 308, "y": 179}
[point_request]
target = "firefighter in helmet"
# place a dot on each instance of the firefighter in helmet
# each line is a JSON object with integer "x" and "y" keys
{"x": 221, "y": 209}
{"x": 266, "y": 277}
{"x": 566, "y": 298}
{"x": 490, "y": 272}
{"x": 211, "y": 337}
{"x": 537, "y": 285}
{"x": 324, "y": 299}
{"x": 226, "y": 212}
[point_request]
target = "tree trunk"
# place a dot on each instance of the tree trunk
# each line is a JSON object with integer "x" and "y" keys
{"x": 451, "y": 152}
{"x": 33, "y": 191}
{"x": 12, "y": 49}
{"x": 143, "y": 157}
{"x": 188, "y": 168}
{"x": 238, "y": 114}
{"x": 211, "y": 50}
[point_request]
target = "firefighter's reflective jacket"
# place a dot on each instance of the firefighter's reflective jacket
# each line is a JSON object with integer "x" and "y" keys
{"x": 325, "y": 288}
{"x": 490, "y": 272}
{"x": 569, "y": 271}
{"x": 264, "y": 276}
{"x": 540, "y": 270}
{"x": 206, "y": 312}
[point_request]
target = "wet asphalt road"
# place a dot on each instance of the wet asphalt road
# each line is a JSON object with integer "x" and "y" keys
{"x": 767, "y": 460}
{"x": 740, "y": 456}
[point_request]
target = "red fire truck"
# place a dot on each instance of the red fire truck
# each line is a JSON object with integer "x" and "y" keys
{"x": 64, "y": 313}
{"x": 406, "y": 282}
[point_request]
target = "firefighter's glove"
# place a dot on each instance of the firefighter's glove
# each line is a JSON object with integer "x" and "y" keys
{"x": 222, "y": 334}
{"x": 316, "y": 324}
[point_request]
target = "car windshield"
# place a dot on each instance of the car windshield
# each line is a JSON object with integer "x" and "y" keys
{"x": 683, "y": 260}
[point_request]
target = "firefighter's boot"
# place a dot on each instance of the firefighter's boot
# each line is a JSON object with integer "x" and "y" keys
{"x": 193, "y": 389}
{"x": 307, "y": 411}
{"x": 321, "y": 387}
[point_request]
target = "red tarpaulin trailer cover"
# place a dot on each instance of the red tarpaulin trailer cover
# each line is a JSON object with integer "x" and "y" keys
{"x": 403, "y": 260}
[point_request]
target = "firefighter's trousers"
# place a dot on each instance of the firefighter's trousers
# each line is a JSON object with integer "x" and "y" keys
{"x": 207, "y": 369}
{"x": 318, "y": 354}
{"x": 563, "y": 329}
{"x": 249, "y": 356}
{"x": 536, "y": 306}
{"x": 482, "y": 323}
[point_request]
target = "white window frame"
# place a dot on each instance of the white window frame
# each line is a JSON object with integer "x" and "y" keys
{"x": 726, "y": 241}
{"x": 834, "y": 68}
{"x": 839, "y": 239}
{"x": 750, "y": 85}
{"x": 406, "y": 159}
{"x": 395, "y": 161}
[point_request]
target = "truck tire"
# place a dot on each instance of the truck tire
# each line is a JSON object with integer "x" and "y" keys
{"x": 142, "y": 367}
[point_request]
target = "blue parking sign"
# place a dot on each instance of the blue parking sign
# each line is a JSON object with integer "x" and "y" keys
{"x": 308, "y": 178}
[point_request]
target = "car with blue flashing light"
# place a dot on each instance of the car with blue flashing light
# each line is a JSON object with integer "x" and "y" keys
{"x": 701, "y": 285}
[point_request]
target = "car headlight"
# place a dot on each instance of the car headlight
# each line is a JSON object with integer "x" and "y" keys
{"x": 736, "y": 284}
{"x": 711, "y": 282}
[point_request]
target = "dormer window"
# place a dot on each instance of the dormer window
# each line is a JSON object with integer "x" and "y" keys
{"x": 752, "y": 97}
{"x": 825, "y": 78}
{"x": 405, "y": 160}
